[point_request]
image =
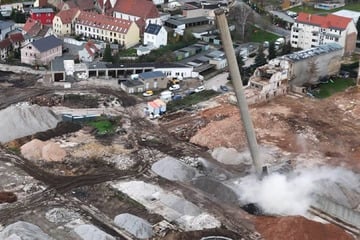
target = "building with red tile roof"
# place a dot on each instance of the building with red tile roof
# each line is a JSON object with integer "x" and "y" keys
{"x": 135, "y": 10}
{"x": 310, "y": 30}
{"x": 32, "y": 27}
{"x": 63, "y": 23}
{"x": 106, "y": 28}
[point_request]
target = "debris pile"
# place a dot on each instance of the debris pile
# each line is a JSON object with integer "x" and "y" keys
{"x": 61, "y": 215}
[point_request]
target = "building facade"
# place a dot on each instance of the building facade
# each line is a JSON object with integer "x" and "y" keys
{"x": 153, "y": 80}
{"x": 42, "y": 51}
{"x": 44, "y": 15}
{"x": 155, "y": 35}
{"x": 63, "y": 22}
{"x": 314, "y": 30}
{"x": 106, "y": 28}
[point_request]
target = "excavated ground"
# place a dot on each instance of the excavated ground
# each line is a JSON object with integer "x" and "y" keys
{"x": 322, "y": 131}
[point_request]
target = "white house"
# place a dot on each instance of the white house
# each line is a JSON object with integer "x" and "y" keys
{"x": 155, "y": 35}
{"x": 311, "y": 30}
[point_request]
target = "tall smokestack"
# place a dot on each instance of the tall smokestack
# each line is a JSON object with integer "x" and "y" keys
{"x": 239, "y": 91}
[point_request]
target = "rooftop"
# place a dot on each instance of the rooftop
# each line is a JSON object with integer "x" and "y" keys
{"x": 328, "y": 21}
{"x": 147, "y": 75}
{"x": 311, "y": 52}
{"x": 41, "y": 10}
{"x": 47, "y": 43}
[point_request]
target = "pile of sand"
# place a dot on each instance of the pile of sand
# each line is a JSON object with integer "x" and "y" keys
{"x": 24, "y": 120}
{"x": 294, "y": 228}
{"x": 40, "y": 150}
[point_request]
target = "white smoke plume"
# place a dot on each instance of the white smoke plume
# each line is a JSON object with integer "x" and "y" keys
{"x": 292, "y": 194}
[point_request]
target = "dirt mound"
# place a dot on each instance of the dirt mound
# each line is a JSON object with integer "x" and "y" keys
{"x": 39, "y": 150}
{"x": 298, "y": 228}
{"x": 9, "y": 197}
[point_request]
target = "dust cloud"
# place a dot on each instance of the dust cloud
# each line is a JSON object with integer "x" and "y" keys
{"x": 292, "y": 194}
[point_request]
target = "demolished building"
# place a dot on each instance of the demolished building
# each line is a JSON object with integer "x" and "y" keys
{"x": 292, "y": 72}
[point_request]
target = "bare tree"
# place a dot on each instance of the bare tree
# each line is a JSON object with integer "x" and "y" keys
{"x": 240, "y": 13}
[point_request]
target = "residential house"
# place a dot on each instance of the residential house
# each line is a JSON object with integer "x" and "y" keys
{"x": 17, "y": 39}
{"x": 5, "y": 46}
{"x": 311, "y": 30}
{"x": 153, "y": 80}
{"x": 64, "y": 21}
{"x": 143, "y": 12}
{"x": 42, "y": 51}
{"x": 293, "y": 72}
{"x": 5, "y": 28}
{"x": 44, "y": 15}
{"x": 32, "y": 27}
{"x": 40, "y": 3}
{"x": 106, "y": 28}
{"x": 89, "y": 52}
{"x": 155, "y": 35}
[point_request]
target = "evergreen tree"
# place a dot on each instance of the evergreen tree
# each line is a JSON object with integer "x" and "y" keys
{"x": 107, "y": 54}
{"x": 260, "y": 58}
{"x": 272, "y": 51}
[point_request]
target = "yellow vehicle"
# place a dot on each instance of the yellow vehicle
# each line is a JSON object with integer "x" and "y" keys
{"x": 174, "y": 81}
{"x": 148, "y": 93}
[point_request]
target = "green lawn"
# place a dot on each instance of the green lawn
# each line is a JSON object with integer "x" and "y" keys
{"x": 258, "y": 35}
{"x": 338, "y": 85}
{"x": 102, "y": 126}
{"x": 351, "y": 6}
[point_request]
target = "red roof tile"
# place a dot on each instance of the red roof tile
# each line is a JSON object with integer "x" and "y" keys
{"x": 32, "y": 27}
{"x": 91, "y": 48}
{"x": 5, "y": 43}
{"x": 16, "y": 37}
{"x": 140, "y": 8}
{"x": 103, "y": 22}
{"x": 67, "y": 16}
{"x": 328, "y": 21}
{"x": 85, "y": 4}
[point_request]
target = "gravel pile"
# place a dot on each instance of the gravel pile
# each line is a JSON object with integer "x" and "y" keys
{"x": 90, "y": 232}
{"x": 138, "y": 227}
{"x": 172, "y": 169}
{"x": 23, "y": 120}
{"x": 24, "y": 231}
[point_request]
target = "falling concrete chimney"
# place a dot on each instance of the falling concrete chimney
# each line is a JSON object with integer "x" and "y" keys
{"x": 227, "y": 44}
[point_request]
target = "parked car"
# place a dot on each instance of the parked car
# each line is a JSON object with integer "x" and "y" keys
{"x": 224, "y": 88}
{"x": 176, "y": 97}
{"x": 344, "y": 74}
{"x": 200, "y": 88}
{"x": 148, "y": 93}
{"x": 174, "y": 87}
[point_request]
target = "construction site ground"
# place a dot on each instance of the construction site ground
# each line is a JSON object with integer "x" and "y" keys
{"x": 90, "y": 169}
